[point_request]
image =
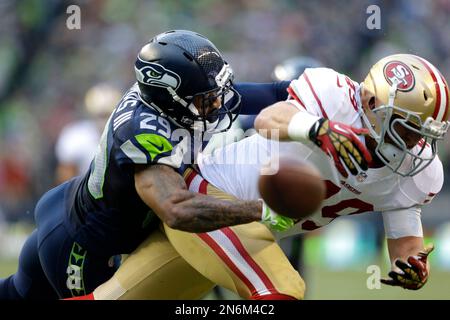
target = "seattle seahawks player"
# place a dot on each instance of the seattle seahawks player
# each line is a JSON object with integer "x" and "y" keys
{"x": 184, "y": 93}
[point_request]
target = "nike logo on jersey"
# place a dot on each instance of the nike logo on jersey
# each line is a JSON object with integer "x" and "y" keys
{"x": 159, "y": 147}
{"x": 154, "y": 144}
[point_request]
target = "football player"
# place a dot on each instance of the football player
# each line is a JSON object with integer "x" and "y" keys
{"x": 184, "y": 93}
{"x": 403, "y": 103}
{"x": 401, "y": 107}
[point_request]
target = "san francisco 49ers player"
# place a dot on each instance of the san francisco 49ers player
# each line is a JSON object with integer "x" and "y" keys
{"x": 403, "y": 103}
{"x": 374, "y": 144}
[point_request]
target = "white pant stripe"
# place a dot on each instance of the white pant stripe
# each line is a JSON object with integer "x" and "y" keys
{"x": 235, "y": 256}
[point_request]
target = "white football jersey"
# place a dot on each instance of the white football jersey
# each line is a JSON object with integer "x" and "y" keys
{"x": 235, "y": 168}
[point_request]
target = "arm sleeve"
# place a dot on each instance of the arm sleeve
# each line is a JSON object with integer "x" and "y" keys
{"x": 257, "y": 96}
{"x": 403, "y": 223}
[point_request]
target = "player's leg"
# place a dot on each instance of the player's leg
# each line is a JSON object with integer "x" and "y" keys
{"x": 31, "y": 273}
{"x": 154, "y": 271}
{"x": 29, "y": 282}
{"x": 244, "y": 259}
{"x": 145, "y": 274}
{"x": 71, "y": 267}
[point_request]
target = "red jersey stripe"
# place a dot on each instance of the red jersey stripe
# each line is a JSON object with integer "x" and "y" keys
{"x": 324, "y": 114}
{"x": 293, "y": 95}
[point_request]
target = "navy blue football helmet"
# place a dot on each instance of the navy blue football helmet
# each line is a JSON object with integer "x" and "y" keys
{"x": 179, "y": 67}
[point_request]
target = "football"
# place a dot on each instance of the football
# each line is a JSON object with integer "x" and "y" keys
{"x": 295, "y": 190}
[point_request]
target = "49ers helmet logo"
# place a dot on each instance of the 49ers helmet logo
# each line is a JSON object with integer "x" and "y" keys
{"x": 400, "y": 72}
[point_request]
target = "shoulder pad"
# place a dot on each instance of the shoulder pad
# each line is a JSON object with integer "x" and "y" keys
{"x": 326, "y": 93}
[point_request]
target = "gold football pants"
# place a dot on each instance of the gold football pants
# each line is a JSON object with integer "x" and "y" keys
{"x": 173, "y": 264}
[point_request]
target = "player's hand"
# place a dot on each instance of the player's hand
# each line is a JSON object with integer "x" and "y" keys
{"x": 275, "y": 221}
{"x": 340, "y": 141}
{"x": 415, "y": 271}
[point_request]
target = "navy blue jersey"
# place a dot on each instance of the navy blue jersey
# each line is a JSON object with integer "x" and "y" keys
{"x": 106, "y": 202}
{"x": 105, "y": 205}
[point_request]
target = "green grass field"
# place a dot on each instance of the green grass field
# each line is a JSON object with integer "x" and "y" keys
{"x": 351, "y": 285}
{"x": 324, "y": 284}
{"x": 7, "y": 267}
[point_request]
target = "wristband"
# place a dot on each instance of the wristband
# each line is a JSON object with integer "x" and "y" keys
{"x": 300, "y": 125}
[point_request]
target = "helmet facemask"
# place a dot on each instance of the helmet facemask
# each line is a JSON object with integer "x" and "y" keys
{"x": 218, "y": 120}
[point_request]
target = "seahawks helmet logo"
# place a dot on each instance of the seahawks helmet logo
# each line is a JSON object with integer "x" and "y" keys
{"x": 154, "y": 74}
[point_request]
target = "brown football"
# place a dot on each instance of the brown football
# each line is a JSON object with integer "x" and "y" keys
{"x": 295, "y": 190}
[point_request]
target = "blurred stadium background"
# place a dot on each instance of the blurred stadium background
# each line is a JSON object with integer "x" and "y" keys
{"x": 46, "y": 69}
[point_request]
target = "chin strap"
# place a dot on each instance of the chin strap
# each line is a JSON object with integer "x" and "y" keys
{"x": 176, "y": 97}
{"x": 390, "y": 153}
{"x": 200, "y": 125}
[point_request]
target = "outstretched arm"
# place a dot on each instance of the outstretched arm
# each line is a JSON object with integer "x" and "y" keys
{"x": 284, "y": 121}
{"x": 164, "y": 190}
{"x": 409, "y": 257}
{"x": 410, "y": 265}
{"x": 257, "y": 96}
{"x": 276, "y": 118}
{"x": 404, "y": 247}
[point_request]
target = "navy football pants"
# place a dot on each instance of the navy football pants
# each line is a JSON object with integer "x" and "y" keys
{"x": 53, "y": 263}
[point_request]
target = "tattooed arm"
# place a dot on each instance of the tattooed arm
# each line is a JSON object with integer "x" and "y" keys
{"x": 164, "y": 190}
